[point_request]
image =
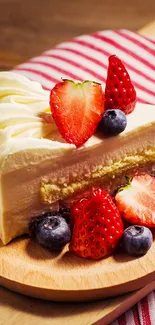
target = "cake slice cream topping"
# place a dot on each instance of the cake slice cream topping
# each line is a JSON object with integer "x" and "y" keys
{"x": 21, "y": 126}
{"x": 22, "y": 103}
{"x": 23, "y": 130}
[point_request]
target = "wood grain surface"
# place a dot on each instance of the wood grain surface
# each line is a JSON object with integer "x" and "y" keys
{"x": 16, "y": 309}
{"x": 29, "y": 27}
{"x": 40, "y": 273}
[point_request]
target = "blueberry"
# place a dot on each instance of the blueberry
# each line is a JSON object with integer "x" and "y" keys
{"x": 113, "y": 122}
{"x": 53, "y": 232}
{"x": 137, "y": 240}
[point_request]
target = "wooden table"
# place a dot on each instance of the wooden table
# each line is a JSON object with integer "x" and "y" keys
{"x": 27, "y": 30}
{"x": 29, "y": 27}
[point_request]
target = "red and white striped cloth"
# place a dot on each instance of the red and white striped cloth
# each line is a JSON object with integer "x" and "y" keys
{"x": 141, "y": 314}
{"x": 86, "y": 57}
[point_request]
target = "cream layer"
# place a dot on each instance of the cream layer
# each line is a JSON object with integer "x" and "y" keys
{"x": 39, "y": 183}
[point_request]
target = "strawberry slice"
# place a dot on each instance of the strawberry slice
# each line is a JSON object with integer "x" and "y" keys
{"x": 119, "y": 91}
{"x": 77, "y": 109}
{"x": 137, "y": 201}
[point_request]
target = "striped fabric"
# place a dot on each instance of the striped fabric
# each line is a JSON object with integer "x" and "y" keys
{"x": 86, "y": 57}
{"x": 141, "y": 314}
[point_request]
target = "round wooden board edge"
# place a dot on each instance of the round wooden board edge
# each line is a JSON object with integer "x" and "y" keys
{"x": 47, "y": 279}
{"x": 77, "y": 295}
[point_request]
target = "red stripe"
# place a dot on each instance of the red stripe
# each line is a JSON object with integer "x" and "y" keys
{"x": 151, "y": 40}
{"x": 98, "y": 49}
{"x": 102, "y": 64}
{"x": 122, "y": 48}
{"x": 96, "y": 75}
{"x": 56, "y": 68}
{"x": 135, "y": 315}
{"x": 122, "y": 320}
{"x": 49, "y": 78}
{"x": 83, "y": 68}
{"x": 39, "y": 73}
{"x": 83, "y": 55}
{"x": 77, "y": 65}
{"x": 140, "y": 100}
{"x": 146, "y": 90}
{"x": 135, "y": 41}
{"x": 145, "y": 312}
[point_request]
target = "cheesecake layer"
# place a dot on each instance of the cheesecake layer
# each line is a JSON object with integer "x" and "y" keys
{"x": 38, "y": 169}
{"x": 38, "y": 185}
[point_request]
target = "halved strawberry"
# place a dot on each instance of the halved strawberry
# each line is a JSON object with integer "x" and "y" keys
{"x": 119, "y": 92}
{"x": 136, "y": 201}
{"x": 77, "y": 109}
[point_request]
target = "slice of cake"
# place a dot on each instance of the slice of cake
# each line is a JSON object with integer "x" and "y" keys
{"x": 40, "y": 171}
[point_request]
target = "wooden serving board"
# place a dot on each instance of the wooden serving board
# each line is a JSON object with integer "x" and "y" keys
{"x": 27, "y": 268}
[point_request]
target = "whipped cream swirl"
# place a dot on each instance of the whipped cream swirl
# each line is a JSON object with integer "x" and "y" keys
{"x": 22, "y": 103}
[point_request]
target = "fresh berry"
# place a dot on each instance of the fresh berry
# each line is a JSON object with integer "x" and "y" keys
{"x": 137, "y": 240}
{"x": 77, "y": 109}
{"x": 113, "y": 122}
{"x": 97, "y": 226}
{"x": 52, "y": 232}
{"x": 136, "y": 201}
{"x": 63, "y": 212}
{"x": 119, "y": 91}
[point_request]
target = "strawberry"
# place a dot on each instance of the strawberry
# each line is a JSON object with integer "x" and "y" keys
{"x": 136, "y": 201}
{"x": 77, "y": 109}
{"x": 97, "y": 226}
{"x": 119, "y": 91}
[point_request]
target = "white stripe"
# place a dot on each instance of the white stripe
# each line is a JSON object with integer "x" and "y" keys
{"x": 151, "y": 303}
{"x": 83, "y": 49}
{"x": 142, "y": 81}
{"x": 111, "y": 49}
{"x": 130, "y": 317}
{"x": 71, "y": 67}
{"x": 100, "y": 70}
{"x": 86, "y": 63}
{"x": 101, "y": 57}
{"x": 139, "y": 38}
{"x": 129, "y": 45}
{"x": 123, "y": 53}
{"x": 80, "y": 73}
{"x": 54, "y": 72}
{"x": 143, "y": 95}
{"x": 140, "y": 312}
{"x": 58, "y": 75}
{"x": 34, "y": 76}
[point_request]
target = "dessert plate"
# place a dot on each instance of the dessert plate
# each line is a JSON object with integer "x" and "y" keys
{"x": 27, "y": 268}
